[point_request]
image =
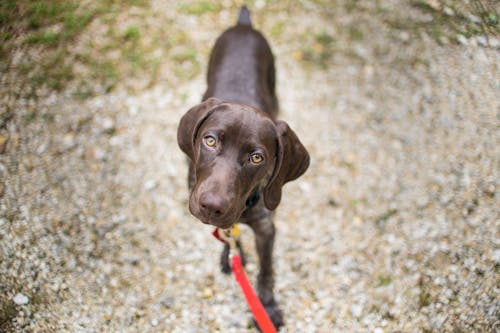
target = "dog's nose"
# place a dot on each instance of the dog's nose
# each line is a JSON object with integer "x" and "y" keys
{"x": 212, "y": 204}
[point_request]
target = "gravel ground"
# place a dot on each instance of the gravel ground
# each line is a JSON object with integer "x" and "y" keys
{"x": 394, "y": 228}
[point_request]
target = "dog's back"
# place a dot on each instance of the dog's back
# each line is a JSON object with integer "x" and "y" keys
{"x": 241, "y": 67}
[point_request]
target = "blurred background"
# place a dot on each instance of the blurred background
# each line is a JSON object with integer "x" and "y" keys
{"x": 394, "y": 228}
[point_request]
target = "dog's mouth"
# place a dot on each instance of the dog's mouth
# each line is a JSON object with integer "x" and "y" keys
{"x": 219, "y": 223}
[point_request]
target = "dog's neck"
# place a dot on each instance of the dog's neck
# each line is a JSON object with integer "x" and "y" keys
{"x": 253, "y": 199}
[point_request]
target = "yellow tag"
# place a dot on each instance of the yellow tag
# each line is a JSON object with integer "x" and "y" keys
{"x": 235, "y": 230}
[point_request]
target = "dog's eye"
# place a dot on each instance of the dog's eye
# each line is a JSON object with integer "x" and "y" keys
{"x": 256, "y": 158}
{"x": 210, "y": 141}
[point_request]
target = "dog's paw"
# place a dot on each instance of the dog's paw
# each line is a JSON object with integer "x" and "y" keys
{"x": 274, "y": 314}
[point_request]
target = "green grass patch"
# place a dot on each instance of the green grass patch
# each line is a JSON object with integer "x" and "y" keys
{"x": 187, "y": 55}
{"x": 135, "y": 57}
{"x": 445, "y": 27}
{"x": 355, "y": 33}
{"x": 384, "y": 280}
{"x": 8, "y": 11}
{"x": 104, "y": 73}
{"x": 29, "y": 117}
{"x": 424, "y": 298}
{"x": 53, "y": 24}
{"x": 43, "y": 13}
{"x": 58, "y": 49}
{"x": 492, "y": 19}
{"x": 137, "y": 3}
{"x": 53, "y": 70}
{"x": 199, "y": 7}
{"x": 104, "y": 70}
{"x": 186, "y": 62}
{"x": 60, "y": 75}
{"x": 48, "y": 23}
{"x": 317, "y": 51}
{"x": 46, "y": 37}
{"x": 4, "y": 36}
{"x": 48, "y": 118}
{"x": 132, "y": 33}
{"x": 325, "y": 39}
{"x": 7, "y": 313}
{"x": 351, "y": 5}
{"x": 422, "y": 4}
{"x": 75, "y": 23}
{"x": 277, "y": 29}
{"x": 38, "y": 300}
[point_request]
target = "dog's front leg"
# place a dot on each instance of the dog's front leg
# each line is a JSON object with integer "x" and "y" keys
{"x": 264, "y": 241}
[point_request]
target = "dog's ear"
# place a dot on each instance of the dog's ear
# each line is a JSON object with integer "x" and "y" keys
{"x": 191, "y": 122}
{"x": 292, "y": 161}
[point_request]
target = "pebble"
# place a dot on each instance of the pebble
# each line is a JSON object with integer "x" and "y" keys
{"x": 99, "y": 154}
{"x": 69, "y": 141}
{"x": 41, "y": 149}
{"x": 150, "y": 184}
{"x": 167, "y": 302}
{"x": 108, "y": 124}
{"x": 494, "y": 42}
{"x": 448, "y": 11}
{"x": 356, "y": 310}
{"x": 462, "y": 39}
{"x": 21, "y": 299}
{"x": 208, "y": 292}
{"x": 481, "y": 40}
{"x": 473, "y": 18}
{"x": 133, "y": 110}
{"x": 405, "y": 36}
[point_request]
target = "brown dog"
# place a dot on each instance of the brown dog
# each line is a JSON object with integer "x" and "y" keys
{"x": 240, "y": 155}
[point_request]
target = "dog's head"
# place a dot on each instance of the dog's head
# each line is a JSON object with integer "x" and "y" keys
{"x": 236, "y": 150}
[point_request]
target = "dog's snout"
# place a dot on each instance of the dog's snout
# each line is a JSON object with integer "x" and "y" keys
{"x": 213, "y": 205}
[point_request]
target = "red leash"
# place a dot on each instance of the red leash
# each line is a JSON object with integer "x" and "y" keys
{"x": 253, "y": 301}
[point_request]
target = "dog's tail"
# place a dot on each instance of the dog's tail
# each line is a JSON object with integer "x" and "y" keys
{"x": 244, "y": 18}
